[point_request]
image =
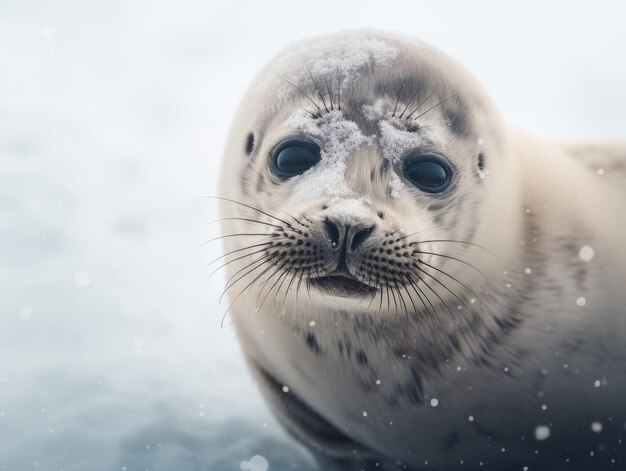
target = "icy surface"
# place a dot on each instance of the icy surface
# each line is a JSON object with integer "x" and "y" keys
{"x": 112, "y": 122}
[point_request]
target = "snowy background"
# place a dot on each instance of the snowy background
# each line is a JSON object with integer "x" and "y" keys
{"x": 113, "y": 115}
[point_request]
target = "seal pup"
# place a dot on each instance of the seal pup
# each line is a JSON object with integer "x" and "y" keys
{"x": 414, "y": 284}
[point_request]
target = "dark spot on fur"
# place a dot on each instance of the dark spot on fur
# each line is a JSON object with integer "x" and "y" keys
{"x": 249, "y": 143}
{"x": 455, "y": 116}
{"x": 481, "y": 162}
{"x": 361, "y": 357}
{"x": 436, "y": 206}
{"x": 311, "y": 342}
{"x": 412, "y": 126}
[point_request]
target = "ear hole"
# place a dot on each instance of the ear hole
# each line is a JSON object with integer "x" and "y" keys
{"x": 481, "y": 162}
{"x": 249, "y": 144}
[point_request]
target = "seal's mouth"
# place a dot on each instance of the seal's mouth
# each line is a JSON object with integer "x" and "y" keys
{"x": 342, "y": 285}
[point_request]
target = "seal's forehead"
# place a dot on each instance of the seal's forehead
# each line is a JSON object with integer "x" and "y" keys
{"x": 344, "y": 63}
{"x": 350, "y": 55}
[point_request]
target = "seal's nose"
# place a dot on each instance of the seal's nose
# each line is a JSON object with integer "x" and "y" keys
{"x": 345, "y": 236}
{"x": 357, "y": 235}
{"x": 335, "y": 232}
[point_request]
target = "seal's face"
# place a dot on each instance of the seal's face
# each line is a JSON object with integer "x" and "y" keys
{"x": 369, "y": 178}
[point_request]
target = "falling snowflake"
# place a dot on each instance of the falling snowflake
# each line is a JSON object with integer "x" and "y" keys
{"x": 586, "y": 253}
{"x": 542, "y": 432}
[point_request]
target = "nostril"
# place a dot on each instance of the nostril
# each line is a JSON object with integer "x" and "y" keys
{"x": 332, "y": 230}
{"x": 359, "y": 237}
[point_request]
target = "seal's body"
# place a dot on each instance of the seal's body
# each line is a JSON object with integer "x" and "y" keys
{"x": 413, "y": 283}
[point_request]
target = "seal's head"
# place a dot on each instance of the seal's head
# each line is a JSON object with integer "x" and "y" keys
{"x": 369, "y": 170}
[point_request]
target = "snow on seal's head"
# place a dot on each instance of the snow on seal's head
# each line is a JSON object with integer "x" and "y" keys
{"x": 361, "y": 153}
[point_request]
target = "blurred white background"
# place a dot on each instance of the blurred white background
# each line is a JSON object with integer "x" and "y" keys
{"x": 113, "y": 115}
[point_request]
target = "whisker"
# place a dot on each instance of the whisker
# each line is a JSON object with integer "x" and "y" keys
{"x": 450, "y": 311}
{"x": 301, "y": 91}
{"x": 409, "y": 295}
{"x": 235, "y": 251}
{"x": 301, "y": 276}
{"x": 388, "y": 297}
{"x": 248, "y": 220}
{"x": 395, "y": 107}
{"x": 373, "y": 297}
{"x": 249, "y": 207}
{"x": 423, "y": 101}
{"x": 293, "y": 277}
{"x": 394, "y": 299}
{"x": 433, "y": 107}
{"x": 449, "y": 291}
{"x": 340, "y": 77}
{"x": 424, "y": 293}
{"x": 462, "y": 242}
{"x": 452, "y": 258}
{"x": 263, "y": 284}
{"x": 278, "y": 269}
{"x": 432, "y": 315}
{"x": 315, "y": 85}
{"x": 308, "y": 283}
{"x": 313, "y": 115}
{"x": 269, "y": 267}
{"x": 330, "y": 97}
{"x": 406, "y": 309}
{"x": 284, "y": 276}
{"x": 380, "y": 304}
{"x": 262, "y": 259}
{"x": 241, "y": 234}
{"x": 455, "y": 279}
{"x": 238, "y": 295}
{"x": 410, "y": 101}
{"x": 235, "y": 259}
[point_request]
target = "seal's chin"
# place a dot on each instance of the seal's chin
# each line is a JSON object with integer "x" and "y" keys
{"x": 341, "y": 285}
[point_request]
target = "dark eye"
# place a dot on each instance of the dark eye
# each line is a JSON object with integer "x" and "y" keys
{"x": 428, "y": 172}
{"x": 294, "y": 157}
